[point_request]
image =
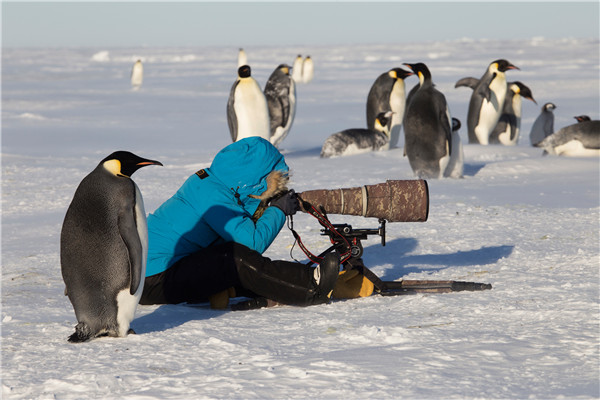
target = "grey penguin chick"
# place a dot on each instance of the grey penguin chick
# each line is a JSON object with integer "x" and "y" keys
{"x": 103, "y": 248}
{"x": 280, "y": 92}
{"x": 543, "y": 126}
{"x": 356, "y": 141}
{"x": 581, "y": 139}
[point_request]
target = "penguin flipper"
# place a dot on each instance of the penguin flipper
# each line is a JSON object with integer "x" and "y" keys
{"x": 129, "y": 234}
{"x": 231, "y": 118}
{"x": 469, "y": 82}
{"x": 483, "y": 87}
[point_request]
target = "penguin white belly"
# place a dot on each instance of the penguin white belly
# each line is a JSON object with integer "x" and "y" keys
{"x": 510, "y": 137}
{"x": 490, "y": 111}
{"x": 397, "y": 105}
{"x": 126, "y": 302}
{"x": 504, "y": 137}
{"x": 574, "y": 148}
{"x": 455, "y": 167}
{"x": 137, "y": 76}
{"x": 251, "y": 111}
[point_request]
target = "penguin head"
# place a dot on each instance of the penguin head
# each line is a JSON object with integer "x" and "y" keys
{"x": 124, "y": 163}
{"x": 501, "y": 65}
{"x": 548, "y": 107}
{"x": 284, "y": 68}
{"x": 382, "y": 122}
{"x": 582, "y": 118}
{"x": 244, "y": 71}
{"x": 399, "y": 73}
{"x": 522, "y": 90}
{"x": 421, "y": 71}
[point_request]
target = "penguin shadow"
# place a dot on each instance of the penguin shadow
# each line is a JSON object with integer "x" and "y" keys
{"x": 312, "y": 152}
{"x": 472, "y": 169}
{"x": 170, "y": 316}
{"x": 404, "y": 263}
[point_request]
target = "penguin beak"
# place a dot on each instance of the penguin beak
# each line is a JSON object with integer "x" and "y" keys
{"x": 510, "y": 66}
{"x": 148, "y": 162}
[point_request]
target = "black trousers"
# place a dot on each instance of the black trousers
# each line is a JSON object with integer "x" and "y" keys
{"x": 211, "y": 270}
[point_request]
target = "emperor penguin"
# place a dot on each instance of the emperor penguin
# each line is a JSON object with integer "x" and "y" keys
{"x": 506, "y": 131}
{"x": 543, "y": 126}
{"x": 581, "y": 139}
{"x": 137, "y": 75}
{"x": 388, "y": 93}
{"x": 280, "y": 92}
{"x": 487, "y": 100}
{"x": 247, "y": 111}
{"x": 308, "y": 70}
{"x": 428, "y": 129}
{"x": 103, "y": 248}
{"x": 242, "y": 58}
{"x": 297, "y": 69}
{"x": 356, "y": 141}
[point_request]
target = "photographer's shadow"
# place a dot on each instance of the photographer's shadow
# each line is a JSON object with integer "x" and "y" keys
{"x": 170, "y": 316}
{"x": 398, "y": 252}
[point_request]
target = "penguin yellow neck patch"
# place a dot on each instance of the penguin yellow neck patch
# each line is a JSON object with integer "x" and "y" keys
{"x": 114, "y": 167}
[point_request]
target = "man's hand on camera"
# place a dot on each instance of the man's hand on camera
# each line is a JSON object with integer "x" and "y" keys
{"x": 288, "y": 202}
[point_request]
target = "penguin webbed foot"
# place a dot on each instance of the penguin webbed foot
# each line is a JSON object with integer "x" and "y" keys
{"x": 131, "y": 332}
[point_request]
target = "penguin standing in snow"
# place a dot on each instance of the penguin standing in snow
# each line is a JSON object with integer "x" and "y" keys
{"x": 428, "y": 130}
{"x": 103, "y": 248}
{"x": 543, "y": 126}
{"x": 242, "y": 58}
{"x": 308, "y": 70}
{"x": 297, "y": 69}
{"x": 356, "y": 141}
{"x": 388, "y": 93}
{"x": 506, "y": 131}
{"x": 247, "y": 111}
{"x": 280, "y": 92}
{"x": 487, "y": 100}
{"x": 137, "y": 75}
{"x": 581, "y": 139}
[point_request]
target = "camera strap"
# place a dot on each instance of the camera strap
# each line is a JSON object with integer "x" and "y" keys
{"x": 325, "y": 223}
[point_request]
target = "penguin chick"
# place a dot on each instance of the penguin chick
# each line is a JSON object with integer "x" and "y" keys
{"x": 356, "y": 141}
{"x": 103, "y": 248}
{"x": 247, "y": 112}
{"x": 543, "y": 126}
{"x": 280, "y": 92}
{"x": 507, "y": 130}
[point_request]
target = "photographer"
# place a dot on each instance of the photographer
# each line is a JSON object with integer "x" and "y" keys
{"x": 210, "y": 235}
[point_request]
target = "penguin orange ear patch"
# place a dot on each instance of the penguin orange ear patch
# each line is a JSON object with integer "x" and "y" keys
{"x": 113, "y": 166}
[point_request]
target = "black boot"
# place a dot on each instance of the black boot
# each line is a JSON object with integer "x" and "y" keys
{"x": 286, "y": 282}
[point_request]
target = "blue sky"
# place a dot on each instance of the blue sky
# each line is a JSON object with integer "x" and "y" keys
{"x": 56, "y": 24}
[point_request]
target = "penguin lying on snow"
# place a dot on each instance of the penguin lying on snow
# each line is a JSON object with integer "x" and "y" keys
{"x": 356, "y": 141}
{"x": 506, "y": 131}
{"x": 280, "y": 92}
{"x": 433, "y": 149}
{"x": 582, "y": 118}
{"x": 485, "y": 106}
{"x": 581, "y": 139}
{"x": 103, "y": 248}
{"x": 388, "y": 93}
{"x": 543, "y": 126}
{"x": 247, "y": 112}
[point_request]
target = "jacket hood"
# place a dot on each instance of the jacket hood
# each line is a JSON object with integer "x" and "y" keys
{"x": 243, "y": 168}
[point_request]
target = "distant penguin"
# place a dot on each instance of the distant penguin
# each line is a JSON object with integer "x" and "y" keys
{"x": 388, "y": 93}
{"x": 428, "y": 129}
{"x": 506, "y": 131}
{"x": 103, "y": 248}
{"x": 582, "y": 118}
{"x": 543, "y": 126}
{"x": 242, "y": 58}
{"x": 280, "y": 92}
{"x": 297, "y": 69}
{"x": 247, "y": 111}
{"x": 487, "y": 100}
{"x": 308, "y": 70}
{"x": 137, "y": 75}
{"x": 581, "y": 139}
{"x": 356, "y": 141}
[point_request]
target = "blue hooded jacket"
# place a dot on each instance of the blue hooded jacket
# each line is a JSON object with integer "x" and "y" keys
{"x": 213, "y": 206}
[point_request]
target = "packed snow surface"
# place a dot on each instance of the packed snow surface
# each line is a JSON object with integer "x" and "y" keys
{"x": 526, "y": 223}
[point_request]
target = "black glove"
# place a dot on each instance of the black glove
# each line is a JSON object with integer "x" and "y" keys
{"x": 287, "y": 202}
